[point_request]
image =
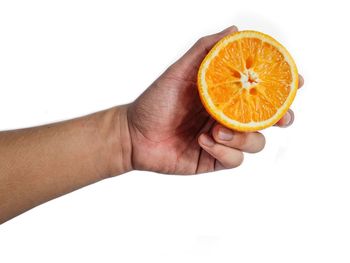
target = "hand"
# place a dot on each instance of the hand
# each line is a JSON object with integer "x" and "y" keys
{"x": 165, "y": 130}
{"x": 170, "y": 130}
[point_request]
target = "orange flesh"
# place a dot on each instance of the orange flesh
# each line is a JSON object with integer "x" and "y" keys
{"x": 249, "y": 80}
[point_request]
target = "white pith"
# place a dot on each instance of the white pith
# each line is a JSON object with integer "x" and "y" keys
{"x": 249, "y": 74}
{"x": 245, "y": 82}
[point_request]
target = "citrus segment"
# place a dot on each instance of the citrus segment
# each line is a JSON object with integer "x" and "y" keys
{"x": 247, "y": 81}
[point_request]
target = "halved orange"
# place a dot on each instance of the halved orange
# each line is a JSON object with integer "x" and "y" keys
{"x": 247, "y": 81}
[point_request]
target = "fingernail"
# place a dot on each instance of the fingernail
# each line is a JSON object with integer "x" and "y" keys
{"x": 206, "y": 140}
{"x": 301, "y": 81}
{"x": 289, "y": 119}
{"x": 225, "y": 134}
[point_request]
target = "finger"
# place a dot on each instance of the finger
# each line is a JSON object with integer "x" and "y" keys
{"x": 218, "y": 166}
{"x": 194, "y": 56}
{"x": 250, "y": 142}
{"x": 204, "y": 44}
{"x": 228, "y": 157}
{"x": 286, "y": 120}
{"x": 301, "y": 81}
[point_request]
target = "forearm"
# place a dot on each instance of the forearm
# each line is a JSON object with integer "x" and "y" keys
{"x": 41, "y": 163}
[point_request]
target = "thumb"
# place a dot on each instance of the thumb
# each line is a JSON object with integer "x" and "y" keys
{"x": 194, "y": 56}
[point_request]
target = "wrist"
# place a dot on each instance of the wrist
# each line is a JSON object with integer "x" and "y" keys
{"x": 119, "y": 141}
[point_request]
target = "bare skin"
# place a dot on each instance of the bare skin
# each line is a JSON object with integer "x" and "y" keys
{"x": 165, "y": 130}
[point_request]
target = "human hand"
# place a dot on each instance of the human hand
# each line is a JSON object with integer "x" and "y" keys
{"x": 171, "y": 132}
{"x": 166, "y": 130}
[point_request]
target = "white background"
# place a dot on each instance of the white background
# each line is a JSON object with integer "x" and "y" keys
{"x": 289, "y": 203}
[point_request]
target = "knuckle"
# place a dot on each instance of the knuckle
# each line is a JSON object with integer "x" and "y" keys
{"x": 263, "y": 142}
{"x": 235, "y": 161}
{"x": 240, "y": 159}
{"x": 252, "y": 142}
{"x": 229, "y": 158}
{"x": 220, "y": 154}
{"x": 257, "y": 143}
{"x": 202, "y": 42}
{"x": 241, "y": 139}
{"x": 219, "y": 166}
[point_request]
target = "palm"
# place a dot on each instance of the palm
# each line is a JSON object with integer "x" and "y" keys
{"x": 165, "y": 122}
